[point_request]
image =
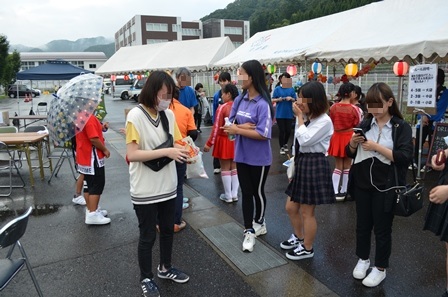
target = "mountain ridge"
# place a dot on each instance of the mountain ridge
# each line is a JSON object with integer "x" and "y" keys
{"x": 95, "y": 44}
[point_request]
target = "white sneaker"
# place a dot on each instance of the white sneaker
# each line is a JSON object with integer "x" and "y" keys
{"x": 235, "y": 199}
{"x": 260, "y": 229}
{"x": 249, "y": 241}
{"x": 361, "y": 269}
{"x": 285, "y": 148}
{"x": 374, "y": 278}
{"x": 282, "y": 151}
{"x": 217, "y": 170}
{"x": 185, "y": 200}
{"x": 79, "y": 200}
{"x": 96, "y": 218}
{"x": 224, "y": 198}
{"x": 103, "y": 212}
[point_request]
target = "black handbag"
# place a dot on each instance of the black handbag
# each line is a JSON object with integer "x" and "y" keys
{"x": 408, "y": 200}
{"x": 159, "y": 163}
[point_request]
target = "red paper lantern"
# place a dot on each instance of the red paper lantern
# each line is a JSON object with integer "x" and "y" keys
{"x": 401, "y": 68}
{"x": 292, "y": 70}
{"x": 126, "y": 77}
{"x": 113, "y": 77}
{"x": 139, "y": 76}
{"x": 351, "y": 69}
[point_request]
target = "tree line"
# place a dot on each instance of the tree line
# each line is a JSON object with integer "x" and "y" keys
{"x": 270, "y": 14}
{"x": 9, "y": 63}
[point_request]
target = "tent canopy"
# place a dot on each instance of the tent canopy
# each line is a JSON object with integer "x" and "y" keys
{"x": 52, "y": 70}
{"x": 389, "y": 30}
{"x": 196, "y": 55}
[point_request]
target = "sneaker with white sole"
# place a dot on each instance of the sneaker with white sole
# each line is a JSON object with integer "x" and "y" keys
{"x": 103, "y": 212}
{"x": 149, "y": 288}
{"x": 249, "y": 241}
{"x": 235, "y": 199}
{"x": 79, "y": 200}
{"x": 374, "y": 278}
{"x": 260, "y": 229}
{"x": 173, "y": 274}
{"x": 224, "y": 198}
{"x": 217, "y": 170}
{"x": 282, "y": 151}
{"x": 96, "y": 218}
{"x": 185, "y": 205}
{"x": 285, "y": 148}
{"x": 299, "y": 253}
{"x": 185, "y": 200}
{"x": 361, "y": 269}
{"x": 291, "y": 243}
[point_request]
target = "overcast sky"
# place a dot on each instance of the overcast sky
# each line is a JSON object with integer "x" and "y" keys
{"x": 37, "y": 22}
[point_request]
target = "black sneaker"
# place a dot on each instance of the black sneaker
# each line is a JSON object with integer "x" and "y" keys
{"x": 291, "y": 243}
{"x": 173, "y": 274}
{"x": 149, "y": 288}
{"x": 300, "y": 253}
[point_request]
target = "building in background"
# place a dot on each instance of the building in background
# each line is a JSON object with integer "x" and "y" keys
{"x": 148, "y": 29}
{"x": 87, "y": 60}
{"x": 238, "y": 31}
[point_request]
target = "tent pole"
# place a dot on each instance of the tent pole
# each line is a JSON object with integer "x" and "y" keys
{"x": 326, "y": 82}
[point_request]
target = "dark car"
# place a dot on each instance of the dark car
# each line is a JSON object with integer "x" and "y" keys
{"x": 23, "y": 90}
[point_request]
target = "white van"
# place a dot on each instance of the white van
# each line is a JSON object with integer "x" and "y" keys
{"x": 121, "y": 87}
{"x": 136, "y": 88}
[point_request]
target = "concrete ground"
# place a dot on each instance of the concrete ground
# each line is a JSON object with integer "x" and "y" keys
{"x": 73, "y": 259}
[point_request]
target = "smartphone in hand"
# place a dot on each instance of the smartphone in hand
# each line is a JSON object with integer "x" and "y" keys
{"x": 360, "y": 132}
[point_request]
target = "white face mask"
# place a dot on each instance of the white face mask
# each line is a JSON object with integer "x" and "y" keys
{"x": 163, "y": 105}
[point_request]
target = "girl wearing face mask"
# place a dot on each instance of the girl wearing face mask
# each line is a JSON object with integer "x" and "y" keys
{"x": 155, "y": 199}
{"x": 387, "y": 144}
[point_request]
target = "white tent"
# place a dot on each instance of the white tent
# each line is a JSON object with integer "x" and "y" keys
{"x": 196, "y": 55}
{"x": 388, "y": 30}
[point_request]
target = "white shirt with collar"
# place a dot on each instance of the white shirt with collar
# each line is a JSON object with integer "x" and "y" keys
{"x": 315, "y": 138}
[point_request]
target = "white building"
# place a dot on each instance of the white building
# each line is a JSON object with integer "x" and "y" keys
{"x": 87, "y": 60}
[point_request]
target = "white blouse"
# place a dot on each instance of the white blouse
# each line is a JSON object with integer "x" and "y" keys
{"x": 314, "y": 138}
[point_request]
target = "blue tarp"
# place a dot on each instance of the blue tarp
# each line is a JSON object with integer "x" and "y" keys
{"x": 52, "y": 70}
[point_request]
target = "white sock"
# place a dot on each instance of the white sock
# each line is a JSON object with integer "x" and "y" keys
{"x": 344, "y": 180}
{"x": 227, "y": 183}
{"x": 336, "y": 179}
{"x": 235, "y": 183}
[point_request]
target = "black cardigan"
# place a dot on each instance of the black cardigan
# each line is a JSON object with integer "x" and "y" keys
{"x": 402, "y": 152}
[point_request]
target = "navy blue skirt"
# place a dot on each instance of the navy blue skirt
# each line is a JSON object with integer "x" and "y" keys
{"x": 312, "y": 183}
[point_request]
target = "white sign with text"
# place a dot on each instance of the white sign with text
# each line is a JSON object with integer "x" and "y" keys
{"x": 422, "y": 86}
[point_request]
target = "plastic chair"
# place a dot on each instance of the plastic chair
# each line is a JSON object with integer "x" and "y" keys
{"x": 7, "y": 163}
{"x": 42, "y": 107}
{"x": 61, "y": 154}
{"x": 9, "y": 237}
{"x": 13, "y": 129}
{"x": 45, "y": 143}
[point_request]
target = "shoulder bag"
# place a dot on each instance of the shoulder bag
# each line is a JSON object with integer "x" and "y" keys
{"x": 408, "y": 199}
{"x": 159, "y": 163}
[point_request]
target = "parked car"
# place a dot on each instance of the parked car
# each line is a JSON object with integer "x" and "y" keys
{"x": 23, "y": 90}
{"x": 136, "y": 88}
{"x": 106, "y": 87}
{"x": 120, "y": 87}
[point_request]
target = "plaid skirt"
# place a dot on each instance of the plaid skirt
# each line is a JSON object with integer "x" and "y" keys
{"x": 312, "y": 183}
{"x": 436, "y": 220}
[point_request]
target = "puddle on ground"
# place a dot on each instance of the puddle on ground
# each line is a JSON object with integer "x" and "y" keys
{"x": 38, "y": 210}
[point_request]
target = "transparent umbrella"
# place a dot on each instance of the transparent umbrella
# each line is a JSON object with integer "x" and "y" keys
{"x": 72, "y": 106}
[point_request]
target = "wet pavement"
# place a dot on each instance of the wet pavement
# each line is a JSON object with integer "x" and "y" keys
{"x": 73, "y": 259}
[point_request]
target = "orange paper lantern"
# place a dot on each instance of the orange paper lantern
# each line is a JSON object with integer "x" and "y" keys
{"x": 351, "y": 69}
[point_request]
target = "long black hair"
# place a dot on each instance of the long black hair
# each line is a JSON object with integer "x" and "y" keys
{"x": 254, "y": 69}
